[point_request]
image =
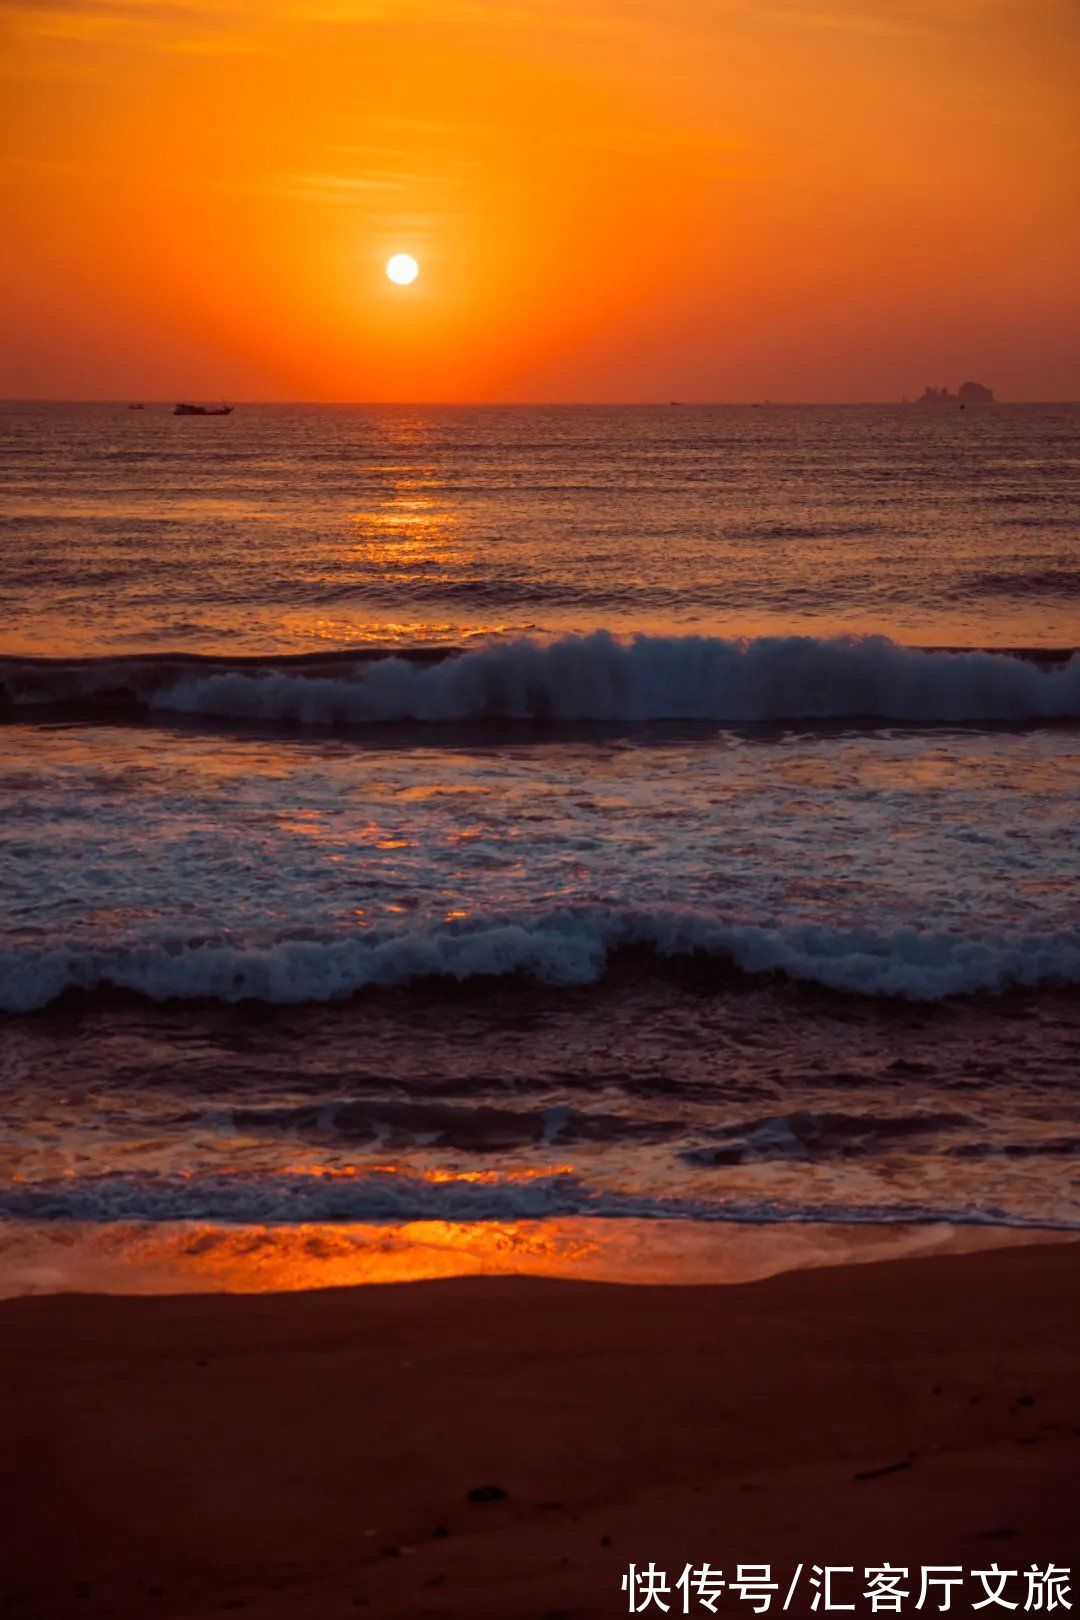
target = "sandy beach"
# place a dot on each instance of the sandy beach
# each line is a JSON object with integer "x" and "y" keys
{"x": 314, "y": 1453}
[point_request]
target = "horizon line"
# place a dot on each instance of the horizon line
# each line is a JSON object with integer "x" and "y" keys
{"x": 515, "y": 404}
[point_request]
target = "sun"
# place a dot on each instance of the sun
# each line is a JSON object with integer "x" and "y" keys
{"x": 402, "y": 268}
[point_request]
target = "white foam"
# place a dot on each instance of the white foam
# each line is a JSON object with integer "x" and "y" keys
{"x": 599, "y": 677}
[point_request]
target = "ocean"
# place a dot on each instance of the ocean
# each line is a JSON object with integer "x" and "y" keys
{"x": 460, "y": 838}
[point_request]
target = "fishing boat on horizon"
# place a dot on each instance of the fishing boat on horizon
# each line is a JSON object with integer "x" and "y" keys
{"x": 202, "y": 410}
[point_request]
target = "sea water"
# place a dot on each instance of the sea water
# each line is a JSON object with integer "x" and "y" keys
{"x": 494, "y": 818}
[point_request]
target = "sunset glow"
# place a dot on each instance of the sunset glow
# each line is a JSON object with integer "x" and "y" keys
{"x": 626, "y": 202}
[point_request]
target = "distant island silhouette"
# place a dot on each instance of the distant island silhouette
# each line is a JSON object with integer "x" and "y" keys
{"x": 970, "y": 393}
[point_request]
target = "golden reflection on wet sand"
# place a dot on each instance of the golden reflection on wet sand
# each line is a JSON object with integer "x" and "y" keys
{"x": 174, "y": 1258}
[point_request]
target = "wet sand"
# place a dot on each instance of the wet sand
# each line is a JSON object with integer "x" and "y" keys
{"x": 313, "y": 1453}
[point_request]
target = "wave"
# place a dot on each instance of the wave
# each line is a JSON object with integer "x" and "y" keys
{"x": 596, "y": 677}
{"x": 482, "y": 1128}
{"x": 813, "y": 1136}
{"x": 572, "y": 946}
{"x": 383, "y": 1196}
{"x": 395, "y": 1125}
{"x": 1057, "y": 582}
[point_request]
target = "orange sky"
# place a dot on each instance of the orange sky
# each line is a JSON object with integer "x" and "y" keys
{"x": 610, "y": 199}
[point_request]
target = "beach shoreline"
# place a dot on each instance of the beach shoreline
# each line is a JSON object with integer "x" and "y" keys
{"x": 314, "y": 1453}
{"x": 203, "y": 1257}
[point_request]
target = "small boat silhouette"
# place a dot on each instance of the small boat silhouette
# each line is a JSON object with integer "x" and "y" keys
{"x": 202, "y": 410}
{"x": 136, "y": 407}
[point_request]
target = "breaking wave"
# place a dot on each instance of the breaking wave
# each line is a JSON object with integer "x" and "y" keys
{"x": 596, "y": 677}
{"x": 568, "y": 947}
